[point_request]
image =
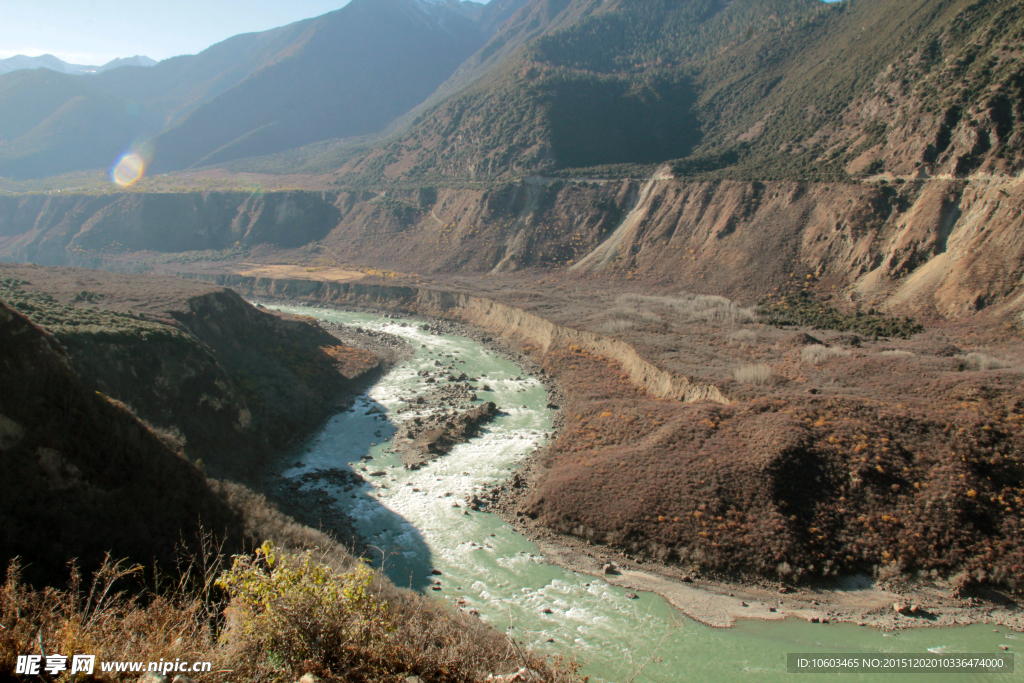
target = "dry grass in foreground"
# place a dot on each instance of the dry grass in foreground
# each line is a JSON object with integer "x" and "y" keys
{"x": 272, "y": 616}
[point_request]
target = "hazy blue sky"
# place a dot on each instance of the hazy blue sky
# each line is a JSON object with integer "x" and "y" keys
{"x": 96, "y": 31}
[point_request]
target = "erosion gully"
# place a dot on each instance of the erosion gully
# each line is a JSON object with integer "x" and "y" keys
{"x": 410, "y": 518}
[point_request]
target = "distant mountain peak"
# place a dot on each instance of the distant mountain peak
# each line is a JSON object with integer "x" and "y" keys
{"x": 48, "y": 61}
{"x": 137, "y": 60}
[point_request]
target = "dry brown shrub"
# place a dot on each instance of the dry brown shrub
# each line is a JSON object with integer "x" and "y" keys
{"x": 636, "y": 314}
{"x": 616, "y": 326}
{"x": 896, "y": 353}
{"x": 816, "y": 354}
{"x": 982, "y": 361}
{"x": 743, "y": 337}
{"x": 757, "y": 373}
{"x": 687, "y": 306}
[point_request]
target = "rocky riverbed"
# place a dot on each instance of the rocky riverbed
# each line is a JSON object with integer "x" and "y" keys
{"x": 312, "y": 505}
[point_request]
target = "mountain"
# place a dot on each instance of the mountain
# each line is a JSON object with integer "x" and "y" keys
{"x": 746, "y": 89}
{"x": 80, "y": 122}
{"x": 570, "y": 83}
{"x": 103, "y": 114}
{"x": 53, "y": 123}
{"x": 20, "y": 62}
{"x": 137, "y": 60}
{"x": 346, "y": 73}
{"x": 441, "y": 91}
{"x": 349, "y": 73}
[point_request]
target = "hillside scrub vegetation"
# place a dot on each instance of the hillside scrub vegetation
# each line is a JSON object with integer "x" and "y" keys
{"x": 272, "y": 615}
{"x": 191, "y": 340}
{"x": 801, "y": 308}
{"x": 931, "y": 487}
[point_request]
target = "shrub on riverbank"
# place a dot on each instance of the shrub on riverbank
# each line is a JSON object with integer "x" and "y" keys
{"x": 800, "y": 308}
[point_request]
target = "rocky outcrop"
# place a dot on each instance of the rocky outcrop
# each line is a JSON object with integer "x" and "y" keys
{"x": 450, "y": 430}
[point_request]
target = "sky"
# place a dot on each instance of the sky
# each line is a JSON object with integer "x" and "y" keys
{"x": 95, "y": 31}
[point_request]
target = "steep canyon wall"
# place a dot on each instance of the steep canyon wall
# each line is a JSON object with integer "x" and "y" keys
{"x": 937, "y": 246}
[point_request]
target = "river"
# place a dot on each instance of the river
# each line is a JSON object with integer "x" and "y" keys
{"x": 486, "y": 566}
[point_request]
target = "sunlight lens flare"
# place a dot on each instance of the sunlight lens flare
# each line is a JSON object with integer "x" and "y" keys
{"x": 130, "y": 168}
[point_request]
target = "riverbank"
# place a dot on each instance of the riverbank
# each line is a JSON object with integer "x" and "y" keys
{"x": 720, "y": 603}
{"x": 312, "y": 505}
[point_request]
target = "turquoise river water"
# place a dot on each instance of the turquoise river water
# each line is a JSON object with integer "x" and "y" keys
{"x": 410, "y": 518}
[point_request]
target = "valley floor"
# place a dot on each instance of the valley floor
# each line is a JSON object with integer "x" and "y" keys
{"x": 851, "y": 456}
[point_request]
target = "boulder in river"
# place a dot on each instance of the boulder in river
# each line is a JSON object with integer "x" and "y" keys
{"x": 448, "y": 429}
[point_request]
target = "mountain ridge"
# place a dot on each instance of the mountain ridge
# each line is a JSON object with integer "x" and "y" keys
{"x": 774, "y": 93}
{"x": 48, "y": 61}
{"x": 785, "y": 89}
{"x": 255, "y": 117}
{"x": 165, "y": 96}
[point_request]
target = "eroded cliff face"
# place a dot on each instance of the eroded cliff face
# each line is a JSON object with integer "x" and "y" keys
{"x": 73, "y": 229}
{"x": 937, "y": 246}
